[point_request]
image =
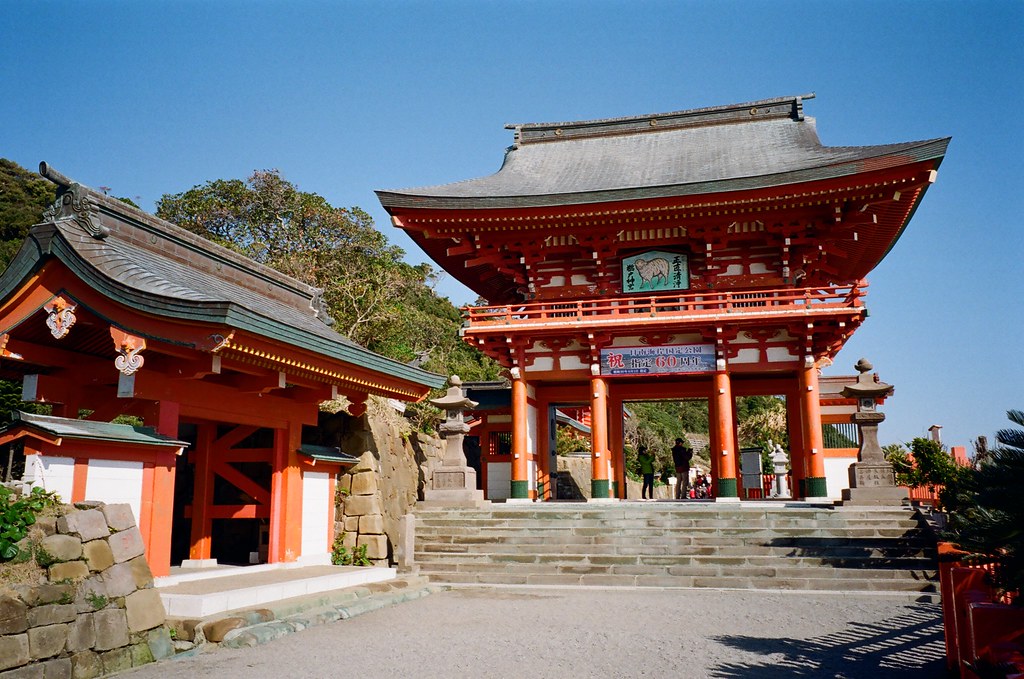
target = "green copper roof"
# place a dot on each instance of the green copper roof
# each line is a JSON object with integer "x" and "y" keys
{"x": 327, "y": 454}
{"x": 64, "y": 427}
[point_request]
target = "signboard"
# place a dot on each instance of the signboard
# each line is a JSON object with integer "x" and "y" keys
{"x": 655, "y": 270}
{"x": 666, "y": 360}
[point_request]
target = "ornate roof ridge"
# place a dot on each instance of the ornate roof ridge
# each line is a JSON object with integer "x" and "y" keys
{"x": 778, "y": 107}
{"x": 84, "y": 198}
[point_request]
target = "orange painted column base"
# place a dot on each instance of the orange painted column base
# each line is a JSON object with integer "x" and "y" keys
{"x": 814, "y": 446}
{"x": 520, "y": 483}
{"x": 723, "y": 423}
{"x": 600, "y": 485}
{"x": 286, "y": 497}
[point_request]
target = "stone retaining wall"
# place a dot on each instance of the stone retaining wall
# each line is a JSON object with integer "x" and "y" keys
{"x": 376, "y": 493}
{"x": 94, "y": 612}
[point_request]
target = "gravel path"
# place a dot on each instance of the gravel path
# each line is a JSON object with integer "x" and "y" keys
{"x": 561, "y": 633}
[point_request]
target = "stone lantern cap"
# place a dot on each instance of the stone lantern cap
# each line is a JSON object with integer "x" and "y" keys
{"x": 867, "y": 386}
{"x": 454, "y": 399}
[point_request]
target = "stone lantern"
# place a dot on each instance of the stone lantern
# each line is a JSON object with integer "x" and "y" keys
{"x": 780, "y": 466}
{"x": 453, "y": 483}
{"x": 872, "y": 479}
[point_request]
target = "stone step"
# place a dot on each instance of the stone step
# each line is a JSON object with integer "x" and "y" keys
{"x": 722, "y": 537}
{"x": 647, "y": 580}
{"x": 430, "y": 559}
{"x": 680, "y": 547}
{"x": 465, "y": 516}
{"x": 595, "y": 523}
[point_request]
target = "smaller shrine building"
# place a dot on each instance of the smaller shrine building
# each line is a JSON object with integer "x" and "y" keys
{"x": 108, "y": 312}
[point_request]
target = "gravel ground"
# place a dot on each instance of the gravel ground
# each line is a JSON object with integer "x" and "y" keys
{"x": 533, "y": 632}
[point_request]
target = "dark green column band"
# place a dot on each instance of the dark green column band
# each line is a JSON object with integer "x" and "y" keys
{"x": 520, "y": 489}
{"x": 816, "y": 487}
{"x": 727, "y": 488}
{"x": 599, "y": 488}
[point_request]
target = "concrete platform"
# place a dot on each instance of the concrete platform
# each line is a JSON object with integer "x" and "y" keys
{"x": 198, "y": 593}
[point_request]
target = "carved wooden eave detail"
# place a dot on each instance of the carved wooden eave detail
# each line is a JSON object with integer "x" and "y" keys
{"x": 129, "y": 347}
{"x": 60, "y": 316}
{"x": 73, "y": 203}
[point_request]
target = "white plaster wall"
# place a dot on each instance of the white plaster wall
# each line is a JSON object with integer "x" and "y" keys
{"x": 779, "y": 355}
{"x": 55, "y": 474}
{"x": 316, "y": 504}
{"x": 499, "y": 480}
{"x": 837, "y": 475}
{"x": 746, "y": 356}
{"x": 531, "y": 429}
{"x": 531, "y": 474}
{"x": 115, "y": 481}
{"x": 542, "y": 363}
{"x": 572, "y": 363}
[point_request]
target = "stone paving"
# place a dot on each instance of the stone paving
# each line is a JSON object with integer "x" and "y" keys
{"x": 593, "y": 632}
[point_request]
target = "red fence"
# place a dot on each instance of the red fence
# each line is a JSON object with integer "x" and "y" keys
{"x": 980, "y": 628}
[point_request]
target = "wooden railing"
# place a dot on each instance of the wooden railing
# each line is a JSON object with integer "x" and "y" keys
{"x": 669, "y": 305}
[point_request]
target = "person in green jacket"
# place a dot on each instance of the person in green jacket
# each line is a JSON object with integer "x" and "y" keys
{"x": 646, "y": 460}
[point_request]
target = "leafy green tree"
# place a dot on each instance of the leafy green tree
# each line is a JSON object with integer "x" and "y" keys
{"x": 24, "y": 196}
{"x": 898, "y": 456}
{"x": 374, "y": 297}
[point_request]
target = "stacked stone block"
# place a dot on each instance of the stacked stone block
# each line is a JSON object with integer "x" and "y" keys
{"x": 97, "y": 612}
{"x": 385, "y": 485}
{"x": 360, "y": 514}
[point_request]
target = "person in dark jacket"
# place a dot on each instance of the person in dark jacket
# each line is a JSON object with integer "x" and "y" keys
{"x": 681, "y": 456}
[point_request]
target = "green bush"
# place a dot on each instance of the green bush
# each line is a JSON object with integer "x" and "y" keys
{"x": 17, "y": 516}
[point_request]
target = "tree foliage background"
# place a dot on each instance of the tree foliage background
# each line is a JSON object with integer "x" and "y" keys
{"x": 374, "y": 297}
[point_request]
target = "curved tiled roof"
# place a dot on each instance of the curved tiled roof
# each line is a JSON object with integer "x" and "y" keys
{"x": 725, "y": 148}
{"x": 156, "y": 267}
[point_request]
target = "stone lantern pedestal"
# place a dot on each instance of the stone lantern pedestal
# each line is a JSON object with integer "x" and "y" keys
{"x": 453, "y": 483}
{"x": 872, "y": 479}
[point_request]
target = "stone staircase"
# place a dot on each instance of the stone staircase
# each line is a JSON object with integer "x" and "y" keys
{"x": 670, "y": 544}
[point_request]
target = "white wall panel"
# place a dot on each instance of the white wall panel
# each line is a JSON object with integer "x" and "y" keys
{"x": 499, "y": 480}
{"x": 316, "y": 505}
{"x": 55, "y": 474}
{"x": 115, "y": 481}
{"x": 837, "y": 475}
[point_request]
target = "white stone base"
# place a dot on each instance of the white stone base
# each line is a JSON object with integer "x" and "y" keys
{"x": 603, "y": 499}
{"x": 727, "y": 499}
{"x": 519, "y": 501}
{"x": 199, "y": 563}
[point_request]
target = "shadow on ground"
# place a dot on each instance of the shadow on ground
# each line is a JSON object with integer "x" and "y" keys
{"x": 907, "y": 645}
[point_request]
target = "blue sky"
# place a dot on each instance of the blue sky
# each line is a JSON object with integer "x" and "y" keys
{"x": 347, "y": 97}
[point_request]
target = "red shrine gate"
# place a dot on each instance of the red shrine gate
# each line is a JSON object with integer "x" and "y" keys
{"x": 709, "y": 253}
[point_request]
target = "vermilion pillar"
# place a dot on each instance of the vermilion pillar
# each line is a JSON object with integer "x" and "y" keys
{"x": 202, "y": 495}
{"x": 286, "y": 496}
{"x": 600, "y": 485}
{"x": 810, "y": 411}
{"x": 797, "y": 458}
{"x": 520, "y": 431}
{"x": 157, "y": 511}
{"x": 723, "y": 421}
{"x": 615, "y": 446}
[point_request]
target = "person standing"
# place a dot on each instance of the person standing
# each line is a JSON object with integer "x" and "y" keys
{"x": 646, "y": 460}
{"x": 681, "y": 456}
